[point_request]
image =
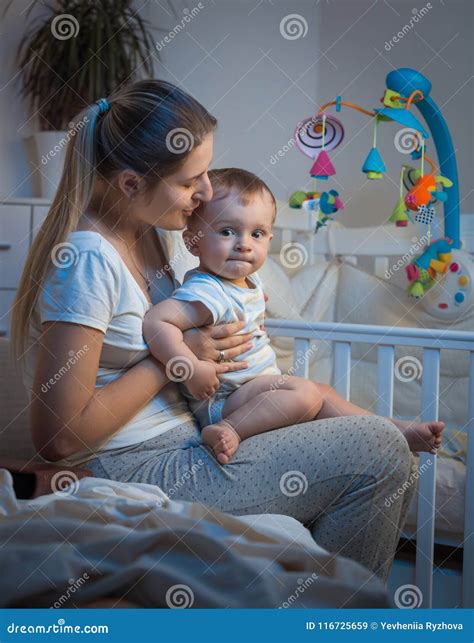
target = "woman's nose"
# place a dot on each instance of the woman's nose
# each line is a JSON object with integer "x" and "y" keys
{"x": 204, "y": 191}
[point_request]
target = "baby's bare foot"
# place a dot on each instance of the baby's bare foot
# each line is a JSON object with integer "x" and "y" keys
{"x": 423, "y": 436}
{"x": 222, "y": 438}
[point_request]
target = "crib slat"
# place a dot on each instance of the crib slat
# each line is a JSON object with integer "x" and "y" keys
{"x": 468, "y": 556}
{"x": 427, "y": 481}
{"x": 342, "y": 368}
{"x": 380, "y": 266}
{"x": 385, "y": 370}
{"x": 300, "y": 358}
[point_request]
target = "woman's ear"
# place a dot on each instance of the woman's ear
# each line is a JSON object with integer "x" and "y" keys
{"x": 191, "y": 241}
{"x": 129, "y": 183}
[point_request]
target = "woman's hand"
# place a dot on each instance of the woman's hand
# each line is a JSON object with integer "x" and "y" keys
{"x": 207, "y": 341}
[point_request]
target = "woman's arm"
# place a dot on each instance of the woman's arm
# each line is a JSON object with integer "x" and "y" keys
{"x": 67, "y": 413}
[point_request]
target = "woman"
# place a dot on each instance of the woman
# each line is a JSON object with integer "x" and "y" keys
{"x": 136, "y": 168}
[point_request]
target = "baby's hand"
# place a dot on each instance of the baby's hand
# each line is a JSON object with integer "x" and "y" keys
{"x": 204, "y": 382}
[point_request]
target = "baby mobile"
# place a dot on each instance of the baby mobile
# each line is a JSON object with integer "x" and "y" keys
{"x": 418, "y": 194}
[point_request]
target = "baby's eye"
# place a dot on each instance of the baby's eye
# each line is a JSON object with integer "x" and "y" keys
{"x": 258, "y": 234}
{"x": 227, "y": 232}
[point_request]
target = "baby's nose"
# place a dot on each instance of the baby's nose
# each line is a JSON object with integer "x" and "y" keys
{"x": 243, "y": 245}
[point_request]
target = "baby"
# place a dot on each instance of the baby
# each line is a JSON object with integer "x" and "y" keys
{"x": 231, "y": 236}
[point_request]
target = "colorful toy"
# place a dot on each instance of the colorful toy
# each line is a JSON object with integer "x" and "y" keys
{"x": 311, "y": 139}
{"x": 298, "y": 199}
{"x": 399, "y": 215}
{"x": 374, "y": 166}
{"x": 425, "y": 189}
{"x": 421, "y": 272}
{"x": 322, "y": 168}
{"x": 419, "y": 192}
{"x": 425, "y": 214}
{"x": 329, "y": 202}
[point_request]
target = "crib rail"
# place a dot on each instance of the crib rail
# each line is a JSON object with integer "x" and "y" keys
{"x": 386, "y": 339}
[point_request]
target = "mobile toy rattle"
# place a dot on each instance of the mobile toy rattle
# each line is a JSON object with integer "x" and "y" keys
{"x": 442, "y": 263}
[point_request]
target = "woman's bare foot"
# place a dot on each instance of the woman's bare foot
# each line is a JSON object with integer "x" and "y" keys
{"x": 422, "y": 436}
{"x": 222, "y": 438}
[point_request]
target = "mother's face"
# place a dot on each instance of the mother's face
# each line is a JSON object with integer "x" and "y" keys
{"x": 176, "y": 196}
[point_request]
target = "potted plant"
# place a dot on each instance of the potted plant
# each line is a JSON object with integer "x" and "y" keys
{"x": 74, "y": 53}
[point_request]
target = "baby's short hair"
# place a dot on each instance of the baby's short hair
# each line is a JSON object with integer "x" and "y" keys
{"x": 244, "y": 183}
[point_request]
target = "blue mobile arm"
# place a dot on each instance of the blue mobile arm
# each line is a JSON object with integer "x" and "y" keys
{"x": 405, "y": 81}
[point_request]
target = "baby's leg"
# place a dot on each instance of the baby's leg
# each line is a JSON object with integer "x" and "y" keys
{"x": 265, "y": 403}
{"x": 421, "y": 436}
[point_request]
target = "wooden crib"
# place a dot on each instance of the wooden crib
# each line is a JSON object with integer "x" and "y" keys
{"x": 369, "y": 242}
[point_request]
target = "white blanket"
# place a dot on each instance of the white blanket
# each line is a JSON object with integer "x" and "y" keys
{"x": 108, "y": 539}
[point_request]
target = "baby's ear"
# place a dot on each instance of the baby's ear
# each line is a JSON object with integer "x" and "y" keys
{"x": 191, "y": 241}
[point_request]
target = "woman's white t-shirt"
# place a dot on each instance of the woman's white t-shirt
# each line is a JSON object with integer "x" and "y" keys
{"x": 90, "y": 284}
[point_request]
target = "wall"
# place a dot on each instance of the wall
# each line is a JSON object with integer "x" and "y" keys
{"x": 232, "y": 56}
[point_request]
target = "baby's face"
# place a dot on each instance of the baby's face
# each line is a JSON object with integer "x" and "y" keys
{"x": 234, "y": 238}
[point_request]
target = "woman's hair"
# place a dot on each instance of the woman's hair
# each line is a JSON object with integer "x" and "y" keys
{"x": 233, "y": 179}
{"x": 150, "y": 127}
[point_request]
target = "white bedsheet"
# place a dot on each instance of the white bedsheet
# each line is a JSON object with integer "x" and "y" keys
{"x": 129, "y": 540}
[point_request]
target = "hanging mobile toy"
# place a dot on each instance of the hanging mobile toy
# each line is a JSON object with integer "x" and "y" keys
{"x": 400, "y": 214}
{"x": 441, "y": 260}
{"x": 314, "y": 137}
{"x": 329, "y": 202}
{"x": 322, "y": 168}
{"x": 373, "y": 166}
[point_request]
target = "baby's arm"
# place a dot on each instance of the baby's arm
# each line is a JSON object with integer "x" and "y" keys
{"x": 163, "y": 328}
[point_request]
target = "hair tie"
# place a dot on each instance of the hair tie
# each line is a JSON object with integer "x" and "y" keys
{"x": 103, "y": 104}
